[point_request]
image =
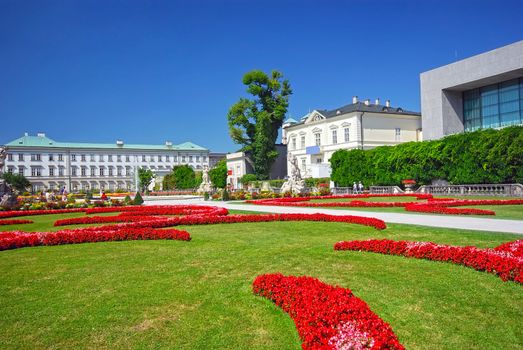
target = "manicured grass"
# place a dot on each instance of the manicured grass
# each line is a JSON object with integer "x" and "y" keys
{"x": 197, "y": 295}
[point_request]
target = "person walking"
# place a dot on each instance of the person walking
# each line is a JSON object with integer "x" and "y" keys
{"x": 354, "y": 188}
{"x": 360, "y": 187}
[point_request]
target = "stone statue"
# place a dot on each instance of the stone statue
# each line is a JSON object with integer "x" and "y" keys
{"x": 8, "y": 199}
{"x": 206, "y": 185}
{"x": 3, "y": 155}
{"x": 294, "y": 184}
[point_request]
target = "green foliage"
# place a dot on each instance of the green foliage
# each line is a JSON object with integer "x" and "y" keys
{"x": 314, "y": 182}
{"x": 225, "y": 195}
{"x": 206, "y": 196}
{"x": 18, "y": 182}
{"x": 485, "y": 156}
{"x": 138, "y": 200}
{"x": 127, "y": 200}
{"x": 248, "y": 178}
{"x": 255, "y": 123}
{"x": 276, "y": 183}
{"x": 145, "y": 177}
{"x": 218, "y": 174}
{"x": 181, "y": 177}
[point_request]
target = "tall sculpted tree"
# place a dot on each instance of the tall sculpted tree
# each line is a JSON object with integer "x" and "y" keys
{"x": 254, "y": 123}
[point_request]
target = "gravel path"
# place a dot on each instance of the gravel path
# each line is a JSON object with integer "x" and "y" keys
{"x": 447, "y": 221}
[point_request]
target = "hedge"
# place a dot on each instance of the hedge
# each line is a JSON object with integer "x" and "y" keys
{"x": 483, "y": 156}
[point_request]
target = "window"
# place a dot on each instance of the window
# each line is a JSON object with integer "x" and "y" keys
{"x": 84, "y": 171}
{"x": 92, "y": 157}
{"x": 127, "y": 171}
{"x": 73, "y": 157}
{"x": 302, "y": 141}
{"x": 119, "y": 158}
{"x": 303, "y": 164}
{"x": 175, "y": 159}
{"x": 159, "y": 158}
{"x": 21, "y": 170}
{"x": 36, "y": 157}
{"x": 190, "y": 159}
{"x": 82, "y": 157}
{"x": 51, "y": 157}
{"x": 109, "y": 157}
{"x": 102, "y": 171}
{"x": 101, "y": 157}
{"x": 127, "y": 158}
{"x": 60, "y": 157}
{"x": 346, "y": 132}
{"x": 10, "y": 169}
{"x": 143, "y": 158}
{"x": 111, "y": 171}
{"x": 93, "y": 171}
{"x": 51, "y": 171}
{"x": 293, "y": 143}
{"x": 119, "y": 170}
{"x": 204, "y": 158}
{"x": 20, "y": 157}
{"x": 10, "y": 157}
{"x": 74, "y": 171}
{"x": 198, "y": 159}
{"x": 397, "y": 136}
{"x": 183, "y": 159}
{"x": 36, "y": 171}
{"x": 334, "y": 136}
{"x": 493, "y": 106}
{"x": 61, "y": 171}
{"x": 317, "y": 139}
{"x": 167, "y": 158}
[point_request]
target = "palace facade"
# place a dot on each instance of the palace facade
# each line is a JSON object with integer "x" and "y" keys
{"x": 49, "y": 164}
{"x": 359, "y": 125}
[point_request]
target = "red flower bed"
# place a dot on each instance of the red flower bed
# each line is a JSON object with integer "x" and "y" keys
{"x": 505, "y": 261}
{"x": 16, "y": 239}
{"x": 15, "y": 213}
{"x": 437, "y": 209}
{"x": 281, "y": 201}
{"x": 326, "y": 317}
{"x": 14, "y": 222}
{"x": 103, "y": 219}
{"x": 158, "y": 222}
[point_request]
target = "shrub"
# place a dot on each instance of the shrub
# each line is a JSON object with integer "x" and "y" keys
{"x": 138, "y": 200}
{"x": 206, "y": 196}
{"x": 225, "y": 195}
{"x": 483, "y": 156}
{"x": 248, "y": 178}
{"x": 127, "y": 200}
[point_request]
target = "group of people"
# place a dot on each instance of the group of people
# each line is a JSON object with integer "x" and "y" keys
{"x": 51, "y": 196}
{"x": 357, "y": 187}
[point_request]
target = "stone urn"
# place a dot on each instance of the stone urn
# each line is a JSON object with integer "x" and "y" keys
{"x": 409, "y": 185}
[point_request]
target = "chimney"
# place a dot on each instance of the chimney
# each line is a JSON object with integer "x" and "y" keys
{"x": 367, "y": 102}
{"x": 387, "y": 103}
{"x": 354, "y": 99}
{"x": 41, "y": 134}
{"x": 119, "y": 143}
{"x": 377, "y": 102}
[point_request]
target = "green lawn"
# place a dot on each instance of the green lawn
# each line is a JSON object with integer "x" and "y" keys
{"x": 197, "y": 295}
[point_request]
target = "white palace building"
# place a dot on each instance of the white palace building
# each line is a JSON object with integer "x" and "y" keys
{"x": 359, "y": 125}
{"x": 49, "y": 164}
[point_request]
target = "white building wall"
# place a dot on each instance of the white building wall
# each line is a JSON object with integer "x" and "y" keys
{"x": 378, "y": 129}
{"x": 128, "y": 160}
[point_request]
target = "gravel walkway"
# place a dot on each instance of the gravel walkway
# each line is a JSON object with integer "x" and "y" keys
{"x": 446, "y": 221}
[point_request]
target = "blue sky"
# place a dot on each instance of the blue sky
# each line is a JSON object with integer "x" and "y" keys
{"x": 151, "y": 71}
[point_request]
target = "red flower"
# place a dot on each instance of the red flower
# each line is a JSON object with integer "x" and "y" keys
{"x": 326, "y": 317}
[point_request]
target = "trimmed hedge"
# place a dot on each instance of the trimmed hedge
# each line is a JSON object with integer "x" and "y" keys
{"x": 483, "y": 156}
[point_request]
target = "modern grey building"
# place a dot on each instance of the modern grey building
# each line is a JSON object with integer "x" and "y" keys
{"x": 483, "y": 91}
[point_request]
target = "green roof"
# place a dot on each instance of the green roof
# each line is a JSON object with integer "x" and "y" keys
{"x": 44, "y": 141}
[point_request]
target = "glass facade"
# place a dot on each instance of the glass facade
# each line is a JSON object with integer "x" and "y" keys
{"x": 493, "y": 106}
